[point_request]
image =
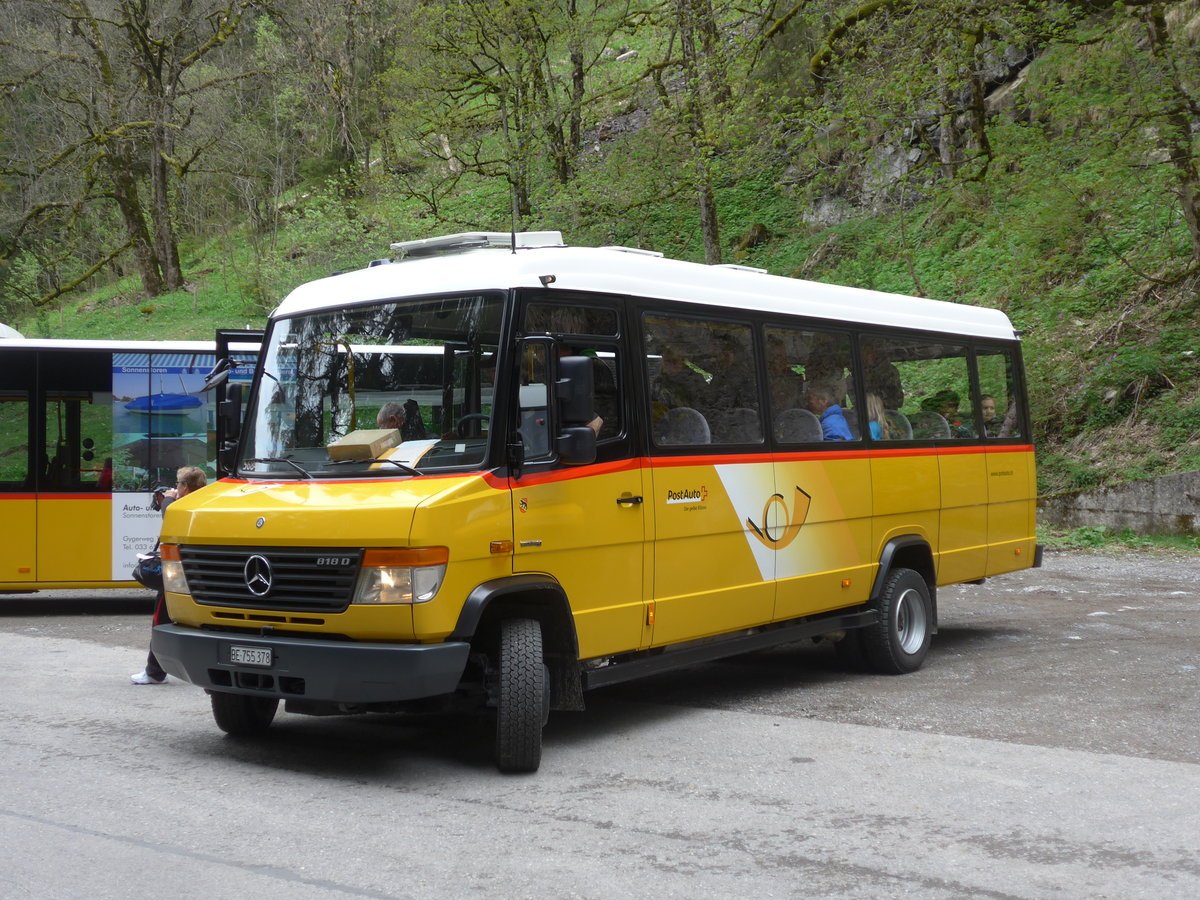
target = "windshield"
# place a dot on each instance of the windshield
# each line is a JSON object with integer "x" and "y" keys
{"x": 382, "y": 390}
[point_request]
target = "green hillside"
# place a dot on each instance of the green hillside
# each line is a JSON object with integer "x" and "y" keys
{"x": 1037, "y": 158}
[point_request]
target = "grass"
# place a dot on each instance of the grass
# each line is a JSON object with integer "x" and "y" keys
{"x": 1100, "y": 538}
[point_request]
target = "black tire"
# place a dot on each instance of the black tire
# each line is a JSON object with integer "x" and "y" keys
{"x": 522, "y": 698}
{"x": 899, "y": 641}
{"x": 242, "y": 716}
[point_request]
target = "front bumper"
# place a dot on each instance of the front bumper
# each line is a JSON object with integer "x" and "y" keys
{"x": 307, "y": 669}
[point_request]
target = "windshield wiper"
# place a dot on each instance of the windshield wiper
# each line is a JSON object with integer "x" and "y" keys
{"x": 407, "y": 470}
{"x": 281, "y": 459}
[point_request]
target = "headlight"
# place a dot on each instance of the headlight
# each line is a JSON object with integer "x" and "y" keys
{"x": 172, "y": 569}
{"x": 401, "y": 575}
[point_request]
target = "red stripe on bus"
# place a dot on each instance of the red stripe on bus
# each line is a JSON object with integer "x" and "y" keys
{"x": 97, "y": 496}
{"x": 569, "y": 473}
{"x": 572, "y": 473}
{"x": 293, "y": 482}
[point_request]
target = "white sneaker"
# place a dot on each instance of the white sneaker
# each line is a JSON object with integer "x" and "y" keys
{"x": 142, "y": 678}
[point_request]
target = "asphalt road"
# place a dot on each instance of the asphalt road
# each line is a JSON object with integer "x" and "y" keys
{"x": 1049, "y": 748}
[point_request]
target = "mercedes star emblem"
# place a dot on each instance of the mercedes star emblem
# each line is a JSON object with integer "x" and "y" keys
{"x": 257, "y": 573}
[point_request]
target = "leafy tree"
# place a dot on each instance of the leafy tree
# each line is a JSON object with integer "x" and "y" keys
{"x": 338, "y": 52}
{"x": 705, "y": 92}
{"x": 499, "y": 90}
{"x": 1167, "y": 89}
{"x": 1130, "y": 87}
{"x": 115, "y": 88}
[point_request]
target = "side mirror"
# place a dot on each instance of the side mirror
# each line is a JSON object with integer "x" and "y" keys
{"x": 218, "y": 374}
{"x": 229, "y": 424}
{"x": 227, "y": 457}
{"x": 576, "y": 445}
{"x": 230, "y": 409}
{"x": 574, "y": 391}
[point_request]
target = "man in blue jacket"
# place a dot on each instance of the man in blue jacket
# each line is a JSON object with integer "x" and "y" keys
{"x": 822, "y": 401}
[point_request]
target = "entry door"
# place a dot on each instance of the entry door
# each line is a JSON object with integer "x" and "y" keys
{"x": 713, "y": 572}
{"x": 583, "y": 525}
{"x": 74, "y": 533}
{"x": 18, "y": 506}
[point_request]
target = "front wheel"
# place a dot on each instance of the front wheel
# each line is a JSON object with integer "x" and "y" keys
{"x": 241, "y": 715}
{"x": 899, "y": 641}
{"x": 522, "y": 696}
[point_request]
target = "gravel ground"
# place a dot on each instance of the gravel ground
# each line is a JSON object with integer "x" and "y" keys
{"x": 1093, "y": 652}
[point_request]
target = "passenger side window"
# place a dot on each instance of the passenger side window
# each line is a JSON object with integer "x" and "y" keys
{"x": 703, "y": 382}
{"x": 16, "y": 370}
{"x": 79, "y": 419}
{"x": 534, "y": 402}
{"x": 935, "y": 389}
{"x": 155, "y": 419}
{"x": 810, "y": 386}
{"x": 998, "y": 400}
{"x": 590, "y": 331}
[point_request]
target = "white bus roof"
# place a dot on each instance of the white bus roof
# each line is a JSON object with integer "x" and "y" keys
{"x": 124, "y": 346}
{"x": 615, "y": 270}
{"x": 115, "y": 346}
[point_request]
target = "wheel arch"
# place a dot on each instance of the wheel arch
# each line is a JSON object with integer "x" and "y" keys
{"x": 530, "y": 596}
{"x": 910, "y": 551}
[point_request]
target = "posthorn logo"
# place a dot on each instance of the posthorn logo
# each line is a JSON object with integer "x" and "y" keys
{"x": 780, "y": 525}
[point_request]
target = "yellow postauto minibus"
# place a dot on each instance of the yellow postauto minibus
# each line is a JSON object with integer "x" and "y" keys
{"x": 498, "y": 472}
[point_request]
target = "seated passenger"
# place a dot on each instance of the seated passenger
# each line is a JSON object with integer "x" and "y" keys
{"x": 391, "y": 415}
{"x": 412, "y": 429}
{"x": 877, "y": 420}
{"x": 990, "y": 426}
{"x": 945, "y": 404}
{"x": 678, "y": 384}
{"x": 881, "y": 377}
{"x": 821, "y": 397}
{"x": 733, "y": 384}
{"x": 607, "y": 422}
{"x": 784, "y": 384}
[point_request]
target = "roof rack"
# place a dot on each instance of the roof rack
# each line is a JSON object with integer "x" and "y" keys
{"x": 474, "y": 240}
{"x": 637, "y": 250}
{"x": 740, "y": 268}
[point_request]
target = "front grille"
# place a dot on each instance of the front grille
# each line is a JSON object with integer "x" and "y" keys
{"x": 301, "y": 579}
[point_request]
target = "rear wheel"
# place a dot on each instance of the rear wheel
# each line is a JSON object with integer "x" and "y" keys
{"x": 242, "y": 716}
{"x": 899, "y": 641}
{"x": 522, "y": 696}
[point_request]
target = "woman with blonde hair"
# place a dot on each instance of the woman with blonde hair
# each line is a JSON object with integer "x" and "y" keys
{"x": 878, "y": 424}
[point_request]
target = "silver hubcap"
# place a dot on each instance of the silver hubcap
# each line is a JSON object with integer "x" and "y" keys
{"x": 911, "y": 621}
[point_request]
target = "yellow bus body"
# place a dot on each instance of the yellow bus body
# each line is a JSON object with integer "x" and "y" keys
{"x": 507, "y": 478}
{"x": 725, "y": 545}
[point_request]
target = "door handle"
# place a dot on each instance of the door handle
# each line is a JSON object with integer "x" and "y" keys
{"x": 628, "y": 501}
